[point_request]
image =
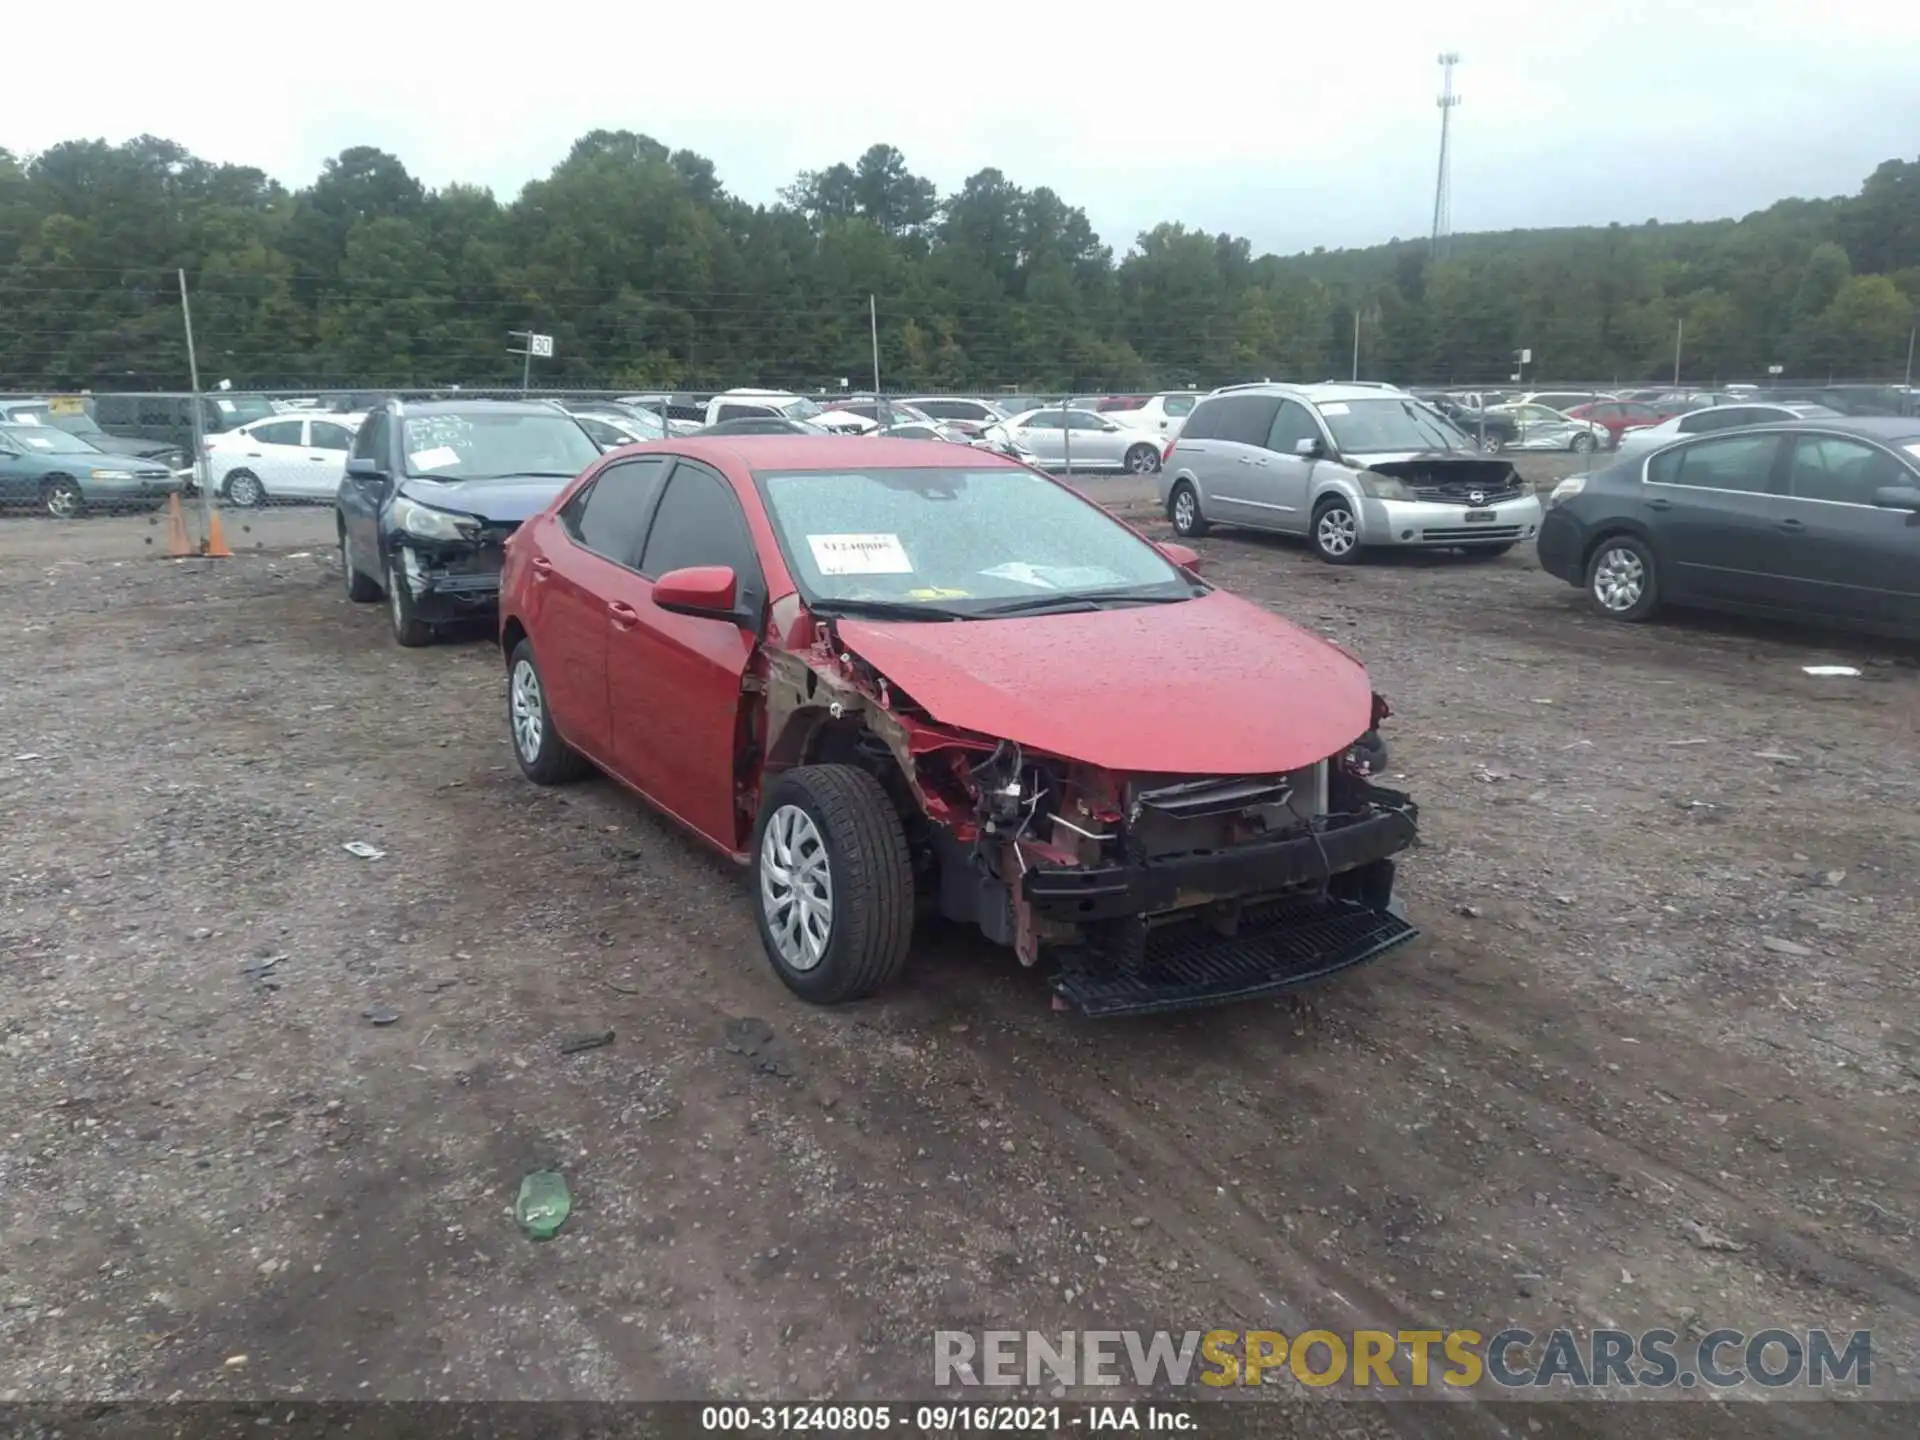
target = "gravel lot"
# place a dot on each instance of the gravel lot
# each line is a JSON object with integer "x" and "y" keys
{"x": 1667, "y": 982}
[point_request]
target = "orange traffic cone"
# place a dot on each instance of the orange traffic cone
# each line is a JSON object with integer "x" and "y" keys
{"x": 216, "y": 544}
{"x": 176, "y": 529}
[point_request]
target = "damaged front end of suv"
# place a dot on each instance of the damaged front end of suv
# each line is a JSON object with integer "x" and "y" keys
{"x": 1138, "y": 889}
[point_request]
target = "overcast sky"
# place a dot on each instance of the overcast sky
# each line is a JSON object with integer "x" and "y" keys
{"x": 1293, "y": 124}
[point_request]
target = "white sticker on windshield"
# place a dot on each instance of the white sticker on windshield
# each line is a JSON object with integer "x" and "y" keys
{"x": 25, "y": 417}
{"x": 860, "y": 555}
{"x": 39, "y": 442}
{"x": 1336, "y": 408}
{"x": 225, "y": 406}
{"x": 433, "y": 459}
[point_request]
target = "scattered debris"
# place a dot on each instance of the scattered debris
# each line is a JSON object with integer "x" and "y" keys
{"x": 1833, "y": 878}
{"x": 27, "y": 755}
{"x": 592, "y": 1040}
{"x": 1564, "y": 899}
{"x": 1705, "y": 1237}
{"x": 1472, "y": 912}
{"x": 1528, "y": 1284}
{"x": 234, "y": 1362}
{"x": 1778, "y": 757}
{"x": 1140, "y": 1222}
{"x": 1784, "y": 947}
{"x": 543, "y": 1205}
{"x": 363, "y": 850}
{"x": 1826, "y": 670}
{"x": 380, "y": 1014}
{"x": 622, "y": 989}
{"x": 748, "y": 1036}
{"x": 1696, "y": 740}
{"x": 1541, "y": 700}
{"x": 260, "y": 965}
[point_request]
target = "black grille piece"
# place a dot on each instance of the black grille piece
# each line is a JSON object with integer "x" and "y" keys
{"x": 1457, "y": 492}
{"x": 1188, "y": 966}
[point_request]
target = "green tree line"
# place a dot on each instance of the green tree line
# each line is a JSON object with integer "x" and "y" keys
{"x": 649, "y": 273}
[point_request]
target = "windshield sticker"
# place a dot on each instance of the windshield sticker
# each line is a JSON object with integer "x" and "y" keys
{"x": 935, "y": 592}
{"x": 225, "y": 406}
{"x": 859, "y": 555}
{"x": 39, "y": 442}
{"x": 1336, "y": 408}
{"x": 23, "y": 417}
{"x": 434, "y": 459}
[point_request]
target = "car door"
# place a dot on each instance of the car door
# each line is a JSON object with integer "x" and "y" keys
{"x": 674, "y": 680}
{"x": 1840, "y": 554}
{"x": 1282, "y": 477}
{"x": 328, "y": 442}
{"x": 1239, "y": 442}
{"x": 360, "y": 497}
{"x": 1044, "y": 433}
{"x": 274, "y": 451}
{"x": 1096, "y": 442}
{"x": 1715, "y": 516}
{"x": 583, "y": 565}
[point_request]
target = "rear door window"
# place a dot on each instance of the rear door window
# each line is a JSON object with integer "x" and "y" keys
{"x": 280, "y": 432}
{"x": 1247, "y": 419}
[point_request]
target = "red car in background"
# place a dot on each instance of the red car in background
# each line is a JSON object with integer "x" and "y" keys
{"x": 897, "y": 678}
{"x": 1618, "y": 417}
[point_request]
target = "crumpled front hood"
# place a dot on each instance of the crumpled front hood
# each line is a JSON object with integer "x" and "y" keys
{"x": 1210, "y": 686}
{"x": 496, "y": 500}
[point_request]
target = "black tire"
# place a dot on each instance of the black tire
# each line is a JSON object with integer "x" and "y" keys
{"x": 1611, "y": 577}
{"x": 1486, "y": 552}
{"x": 1583, "y": 444}
{"x": 408, "y": 628}
{"x": 553, "y": 761}
{"x": 1143, "y": 460}
{"x": 243, "y": 490}
{"x": 61, "y": 498}
{"x": 361, "y": 589}
{"x": 869, "y": 874}
{"x": 1188, "y": 522}
{"x": 1493, "y": 444}
{"x": 1326, "y": 522}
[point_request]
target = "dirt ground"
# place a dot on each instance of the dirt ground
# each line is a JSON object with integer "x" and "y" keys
{"x": 1666, "y": 982}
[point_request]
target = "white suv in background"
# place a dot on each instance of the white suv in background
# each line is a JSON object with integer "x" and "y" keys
{"x": 1347, "y": 466}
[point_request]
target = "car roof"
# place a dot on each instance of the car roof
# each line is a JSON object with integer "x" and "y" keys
{"x": 1887, "y": 429}
{"x": 408, "y": 408}
{"x": 830, "y": 452}
{"x": 1327, "y": 392}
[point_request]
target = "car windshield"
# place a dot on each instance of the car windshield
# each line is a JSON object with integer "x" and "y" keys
{"x": 44, "y": 440}
{"x": 1371, "y": 427}
{"x": 800, "y": 408}
{"x": 957, "y": 541}
{"x": 241, "y": 409}
{"x": 74, "y": 422}
{"x": 496, "y": 447}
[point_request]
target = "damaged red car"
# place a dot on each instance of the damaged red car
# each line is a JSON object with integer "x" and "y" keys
{"x": 899, "y": 680}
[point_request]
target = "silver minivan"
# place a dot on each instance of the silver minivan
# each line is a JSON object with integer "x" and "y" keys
{"x": 1345, "y": 465}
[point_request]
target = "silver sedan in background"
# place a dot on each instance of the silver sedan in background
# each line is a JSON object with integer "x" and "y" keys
{"x": 1086, "y": 439}
{"x": 1535, "y": 427}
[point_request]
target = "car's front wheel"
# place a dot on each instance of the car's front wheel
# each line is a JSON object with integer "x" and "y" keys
{"x": 1336, "y": 531}
{"x": 62, "y": 498}
{"x": 244, "y": 490}
{"x": 1143, "y": 460}
{"x": 408, "y": 628}
{"x": 833, "y": 883}
{"x": 544, "y": 757}
{"x": 1622, "y": 580}
{"x": 1183, "y": 509}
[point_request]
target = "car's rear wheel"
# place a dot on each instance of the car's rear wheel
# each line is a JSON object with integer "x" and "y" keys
{"x": 1622, "y": 581}
{"x": 244, "y": 489}
{"x": 1143, "y": 460}
{"x": 1183, "y": 509}
{"x": 360, "y": 588}
{"x": 544, "y": 757}
{"x": 1583, "y": 444}
{"x": 833, "y": 883}
{"x": 408, "y": 628}
{"x": 1336, "y": 531}
{"x": 62, "y": 498}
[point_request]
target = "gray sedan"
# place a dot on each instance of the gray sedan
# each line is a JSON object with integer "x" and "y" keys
{"x": 1538, "y": 428}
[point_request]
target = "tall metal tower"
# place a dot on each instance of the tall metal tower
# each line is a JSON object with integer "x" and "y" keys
{"x": 1443, "y": 183}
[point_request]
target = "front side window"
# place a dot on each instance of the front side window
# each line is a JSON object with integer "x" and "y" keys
{"x": 1292, "y": 425}
{"x": 734, "y": 410}
{"x": 1846, "y": 472}
{"x": 699, "y": 523}
{"x": 1044, "y": 420}
{"x": 479, "y": 445}
{"x": 370, "y": 441}
{"x": 955, "y": 540}
{"x": 1736, "y": 462}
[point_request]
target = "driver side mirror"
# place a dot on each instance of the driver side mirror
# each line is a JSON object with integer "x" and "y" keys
{"x": 1184, "y": 556}
{"x": 361, "y": 467}
{"x": 1897, "y": 497}
{"x": 711, "y": 591}
{"x": 1309, "y": 449}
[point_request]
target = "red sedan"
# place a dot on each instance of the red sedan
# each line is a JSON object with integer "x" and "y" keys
{"x": 900, "y": 678}
{"x": 1618, "y": 417}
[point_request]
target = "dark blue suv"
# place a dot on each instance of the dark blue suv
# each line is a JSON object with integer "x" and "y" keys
{"x": 431, "y": 492}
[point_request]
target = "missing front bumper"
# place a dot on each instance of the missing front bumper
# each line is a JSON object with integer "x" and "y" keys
{"x": 1278, "y": 948}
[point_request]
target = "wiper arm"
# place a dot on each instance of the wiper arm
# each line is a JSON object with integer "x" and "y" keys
{"x": 1067, "y": 601}
{"x": 886, "y": 610}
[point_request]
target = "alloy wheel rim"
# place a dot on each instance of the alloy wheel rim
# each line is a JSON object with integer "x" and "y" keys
{"x": 529, "y": 727}
{"x": 1143, "y": 461}
{"x": 1619, "y": 580}
{"x": 1336, "y": 531}
{"x": 60, "y": 502}
{"x": 244, "y": 491}
{"x": 1183, "y": 510}
{"x": 796, "y": 887}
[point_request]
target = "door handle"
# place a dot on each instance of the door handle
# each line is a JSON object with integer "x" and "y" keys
{"x": 1659, "y": 504}
{"x": 542, "y": 567}
{"x": 1245, "y": 460}
{"x": 625, "y": 617}
{"x": 1792, "y": 527}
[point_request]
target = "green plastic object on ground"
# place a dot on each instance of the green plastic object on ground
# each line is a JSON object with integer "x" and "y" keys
{"x": 544, "y": 1204}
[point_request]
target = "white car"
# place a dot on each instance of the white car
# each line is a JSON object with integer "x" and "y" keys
{"x": 284, "y": 457}
{"x": 1649, "y": 438}
{"x": 1086, "y": 440}
{"x": 784, "y": 405}
{"x": 1163, "y": 413}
